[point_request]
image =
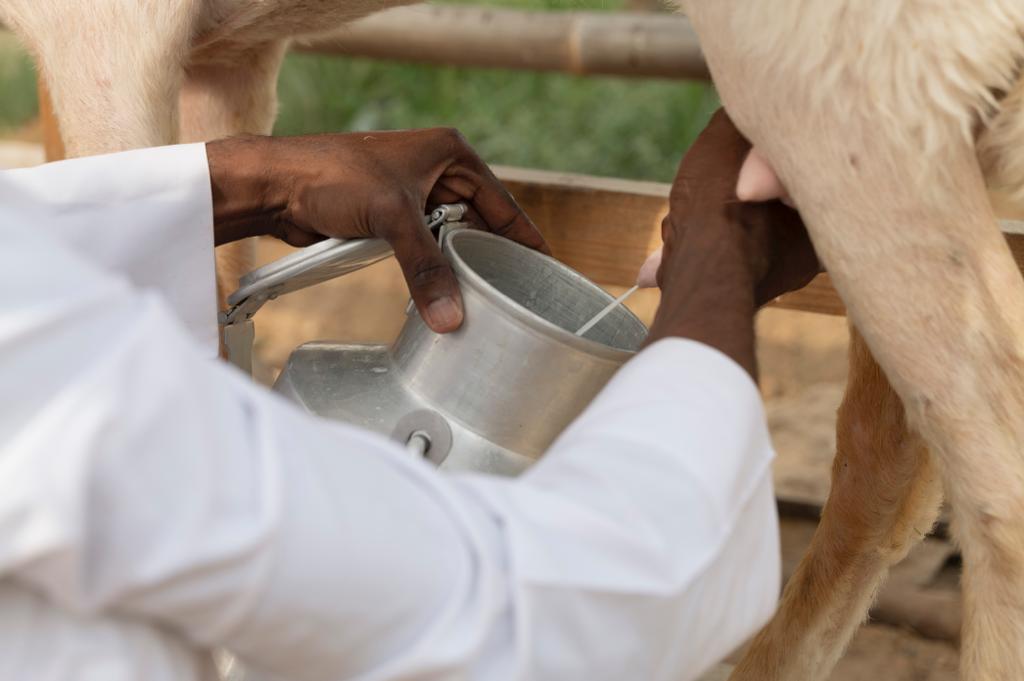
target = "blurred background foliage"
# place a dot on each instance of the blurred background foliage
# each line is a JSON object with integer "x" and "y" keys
{"x": 635, "y": 128}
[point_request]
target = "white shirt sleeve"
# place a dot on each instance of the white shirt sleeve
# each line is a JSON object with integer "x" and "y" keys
{"x": 143, "y": 480}
{"x": 146, "y": 214}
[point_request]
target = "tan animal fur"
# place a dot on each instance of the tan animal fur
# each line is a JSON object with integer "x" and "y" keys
{"x": 134, "y": 73}
{"x": 887, "y": 120}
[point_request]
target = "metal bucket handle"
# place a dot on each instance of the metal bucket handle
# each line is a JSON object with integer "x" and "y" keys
{"x": 306, "y": 267}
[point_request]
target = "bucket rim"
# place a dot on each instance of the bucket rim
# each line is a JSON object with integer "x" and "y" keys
{"x": 506, "y": 305}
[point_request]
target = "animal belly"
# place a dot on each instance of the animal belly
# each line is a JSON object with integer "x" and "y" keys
{"x": 228, "y": 29}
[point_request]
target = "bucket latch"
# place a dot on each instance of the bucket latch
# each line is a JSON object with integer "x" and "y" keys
{"x": 305, "y": 267}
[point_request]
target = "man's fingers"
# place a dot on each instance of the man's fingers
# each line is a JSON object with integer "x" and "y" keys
{"x": 719, "y": 145}
{"x": 432, "y": 284}
{"x": 758, "y": 182}
{"x": 707, "y": 172}
{"x": 499, "y": 211}
{"x": 504, "y": 216}
{"x": 441, "y": 195}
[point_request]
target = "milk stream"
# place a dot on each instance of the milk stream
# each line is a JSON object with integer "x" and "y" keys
{"x": 606, "y": 311}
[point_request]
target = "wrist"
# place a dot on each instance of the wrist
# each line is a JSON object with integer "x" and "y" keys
{"x": 248, "y": 194}
{"x": 708, "y": 294}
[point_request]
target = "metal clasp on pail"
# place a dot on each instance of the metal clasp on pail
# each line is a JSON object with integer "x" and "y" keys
{"x": 306, "y": 267}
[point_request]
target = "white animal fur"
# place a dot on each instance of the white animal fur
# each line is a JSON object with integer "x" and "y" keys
{"x": 134, "y": 73}
{"x": 916, "y": 65}
{"x": 885, "y": 119}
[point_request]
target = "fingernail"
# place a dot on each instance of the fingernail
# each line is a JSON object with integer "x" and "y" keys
{"x": 444, "y": 315}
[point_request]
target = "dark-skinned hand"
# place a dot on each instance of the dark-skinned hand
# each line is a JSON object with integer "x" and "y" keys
{"x": 781, "y": 255}
{"x": 723, "y": 258}
{"x": 379, "y": 184}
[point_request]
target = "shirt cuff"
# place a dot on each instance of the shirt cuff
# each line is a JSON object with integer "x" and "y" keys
{"x": 679, "y": 433}
{"x": 145, "y": 214}
{"x": 689, "y": 394}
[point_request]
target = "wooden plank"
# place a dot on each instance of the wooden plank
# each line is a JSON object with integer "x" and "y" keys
{"x": 605, "y": 227}
{"x": 818, "y": 296}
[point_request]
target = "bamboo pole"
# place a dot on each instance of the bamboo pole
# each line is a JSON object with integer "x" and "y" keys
{"x": 583, "y": 43}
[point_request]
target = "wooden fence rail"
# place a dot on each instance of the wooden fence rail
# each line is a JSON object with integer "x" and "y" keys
{"x": 634, "y": 44}
{"x": 603, "y": 227}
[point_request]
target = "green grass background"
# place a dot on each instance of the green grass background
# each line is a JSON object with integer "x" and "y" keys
{"x": 636, "y": 128}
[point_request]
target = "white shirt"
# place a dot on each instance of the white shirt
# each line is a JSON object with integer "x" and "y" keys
{"x": 155, "y": 504}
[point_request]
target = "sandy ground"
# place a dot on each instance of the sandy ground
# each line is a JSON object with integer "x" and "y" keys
{"x": 803, "y": 367}
{"x": 887, "y": 654}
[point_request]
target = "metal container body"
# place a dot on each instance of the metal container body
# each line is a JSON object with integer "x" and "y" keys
{"x": 505, "y": 384}
{"x": 515, "y": 371}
